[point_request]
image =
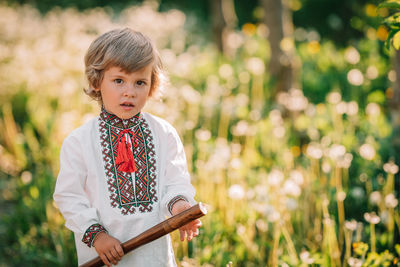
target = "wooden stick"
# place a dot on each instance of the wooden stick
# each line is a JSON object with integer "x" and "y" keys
{"x": 157, "y": 231}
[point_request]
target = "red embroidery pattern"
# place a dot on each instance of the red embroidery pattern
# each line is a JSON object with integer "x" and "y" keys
{"x": 127, "y": 192}
{"x": 91, "y": 232}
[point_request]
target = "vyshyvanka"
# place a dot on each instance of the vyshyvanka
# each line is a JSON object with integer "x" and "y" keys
{"x": 122, "y": 177}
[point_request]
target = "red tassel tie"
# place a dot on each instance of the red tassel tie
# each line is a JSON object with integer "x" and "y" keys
{"x": 125, "y": 160}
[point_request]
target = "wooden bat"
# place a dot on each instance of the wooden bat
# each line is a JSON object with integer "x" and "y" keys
{"x": 157, "y": 231}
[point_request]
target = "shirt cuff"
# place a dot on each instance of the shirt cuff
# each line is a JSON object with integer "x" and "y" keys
{"x": 91, "y": 233}
{"x": 174, "y": 200}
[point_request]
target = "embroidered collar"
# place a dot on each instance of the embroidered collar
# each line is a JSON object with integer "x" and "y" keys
{"x": 115, "y": 121}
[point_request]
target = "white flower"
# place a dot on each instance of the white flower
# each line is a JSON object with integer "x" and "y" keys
{"x": 391, "y": 201}
{"x": 373, "y": 109}
{"x": 314, "y": 151}
{"x": 278, "y": 132}
{"x": 255, "y": 65}
{"x": 354, "y": 262}
{"x": 261, "y": 225}
{"x": 391, "y": 167}
{"x": 367, "y": 151}
{"x": 351, "y": 225}
{"x": 203, "y": 135}
{"x": 341, "y": 196}
{"x": 297, "y": 177}
{"x": 274, "y": 216}
{"x": 305, "y": 257}
{"x": 275, "y": 177}
{"x": 291, "y": 188}
{"x": 236, "y": 192}
{"x": 341, "y": 107}
{"x": 372, "y": 218}
{"x": 351, "y": 55}
{"x": 375, "y": 197}
{"x": 334, "y": 97}
{"x": 352, "y": 108}
{"x": 372, "y": 72}
{"x": 355, "y": 77}
{"x": 336, "y": 151}
{"x": 291, "y": 204}
{"x": 225, "y": 71}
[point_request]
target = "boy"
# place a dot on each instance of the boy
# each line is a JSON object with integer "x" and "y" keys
{"x": 124, "y": 171}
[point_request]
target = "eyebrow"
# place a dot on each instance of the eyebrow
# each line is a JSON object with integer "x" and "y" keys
{"x": 122, "y": 75}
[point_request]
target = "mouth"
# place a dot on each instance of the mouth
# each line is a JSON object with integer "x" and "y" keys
{"x": 127, "y": 105}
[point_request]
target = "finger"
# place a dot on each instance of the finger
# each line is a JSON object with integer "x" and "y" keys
{"x": 115, "y": 254}
{"x": 196, "y": 232}
{"x": 189, "y": 235}
{"x": 198, "y": 223}
{"x": 119, "y": 250}
{"x": 182, "y": 234}
{"x": 105, "y": 260}
{"x": 111, "y": 258}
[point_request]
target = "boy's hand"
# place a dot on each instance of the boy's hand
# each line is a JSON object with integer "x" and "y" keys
{"x": 108, "y": 248}
{"x": 191, "y": 229}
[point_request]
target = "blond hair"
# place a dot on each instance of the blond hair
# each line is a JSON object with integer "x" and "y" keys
{"x": 125, "y": 48}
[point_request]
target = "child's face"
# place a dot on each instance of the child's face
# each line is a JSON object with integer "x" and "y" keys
{"x": 125, "y": 94}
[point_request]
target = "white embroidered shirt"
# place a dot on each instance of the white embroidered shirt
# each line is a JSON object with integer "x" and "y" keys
{"x": 94, "y": 195}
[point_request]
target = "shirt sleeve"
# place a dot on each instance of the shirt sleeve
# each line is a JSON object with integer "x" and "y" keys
{"x": 177, "y": 185}
{"x": 70, "y": 196}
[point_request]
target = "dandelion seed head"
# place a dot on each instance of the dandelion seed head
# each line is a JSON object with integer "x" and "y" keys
{"x": 236, "y": 192}
{"x": 354, "y": 262}
{"x": 392, "y": 76}
{"x": 375, "y": 197}
{"x": 372, "y": 72}
{"x": 255, "y": 65}
{"x": 341, "y": 196}
{"x": 262, "y": 225}
{"x": 203, "y": 135}
{"x": 336, "y": 151}
{"x": 372, "y": 218}
{"x": 391, "y": 167}
{"x": 275, "y": 177}
{"x": 275, "y": 117}
{"x": 373, "y": 109}
{"x": 291, "y": 188}
{"x": 391, "y": 201}
{"x": 297, "y": 177}
{"x": 351, "y": 225}
{"x": 279, "y": 132}
{"x": 274, "y": 216}
{"x": 341, "y": 108}
{"x": 26, "y": 177}
{"x": 291, "y": 204}
{"x": 357, "y": 192}
{"x": 352, "y": 108}
{"x": 314, "y": 151}
{"x": 334, "y": 97}
{"x": 306, "y": 258}
{"x": 355, "y": 77}
{"x": 367, "y": 151}
{"x": 352, "y": 55}
{"x": 225, "y": 71}
{"x": 326, "y": 167}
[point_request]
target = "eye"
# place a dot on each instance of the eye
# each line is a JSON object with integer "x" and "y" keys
{"x": 141, "y": 83}
{"x": 118, "y": 81}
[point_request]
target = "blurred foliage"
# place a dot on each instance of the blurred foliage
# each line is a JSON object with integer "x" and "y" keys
{"x": 308, "y": 178}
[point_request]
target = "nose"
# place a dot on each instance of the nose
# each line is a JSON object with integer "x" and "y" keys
{"x": 129, "y": 90}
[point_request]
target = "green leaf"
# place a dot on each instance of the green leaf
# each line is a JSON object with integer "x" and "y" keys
{"x": 390, "y": 37}
{"x": 393, "y": 5}
{"x": 396, "y": 41}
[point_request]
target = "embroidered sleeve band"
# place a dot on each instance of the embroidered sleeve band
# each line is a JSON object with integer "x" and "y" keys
{"x": 174, "y": 200}
{"x": 91, "y": 233}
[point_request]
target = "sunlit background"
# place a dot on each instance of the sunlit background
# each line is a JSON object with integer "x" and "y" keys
{"x": 289, "y": 111}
